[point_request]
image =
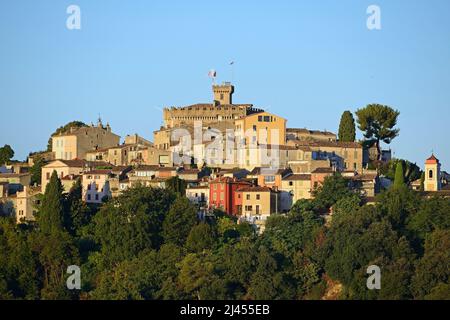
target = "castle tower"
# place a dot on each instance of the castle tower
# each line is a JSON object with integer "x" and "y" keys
{"x": 432, "y": 174}
{"x": 223, "y": 94}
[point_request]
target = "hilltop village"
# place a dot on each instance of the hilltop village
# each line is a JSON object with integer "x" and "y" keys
{"x": 224, "y": 156}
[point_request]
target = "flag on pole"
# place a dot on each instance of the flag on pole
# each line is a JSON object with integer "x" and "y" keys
{"x": 212, "y": 73}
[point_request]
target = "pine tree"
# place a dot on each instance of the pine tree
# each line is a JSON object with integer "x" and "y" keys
{"x": 378, "y": 124}
{"x": 399, "y": 180}
{"x": 347, "y": 131}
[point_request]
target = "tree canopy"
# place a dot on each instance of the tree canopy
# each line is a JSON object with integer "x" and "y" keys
{"x": 347, "y": 129}
{"x": 378, "y": 123}
{"x": 6, "y": 154}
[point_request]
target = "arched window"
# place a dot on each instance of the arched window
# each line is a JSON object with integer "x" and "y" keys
{"x": 430, "y": 174}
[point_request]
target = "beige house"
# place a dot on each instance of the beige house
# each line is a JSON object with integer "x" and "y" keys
{"x": 298, "y": 186}
{"x": 75, "y": 143}
{"x": 348, "y": 155}
{"x": 198, "y": 195}
{"x": 68, "y": 171}
{"x": 96, "y": 186}
{"x": 257, "y": 203}
{"x": 26, "y": 203}
{"x": 130, "y": 154}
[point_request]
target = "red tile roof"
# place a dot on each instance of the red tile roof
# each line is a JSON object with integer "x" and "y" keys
{"x": 432, "y": 160}
{"x": 298, "y": 177}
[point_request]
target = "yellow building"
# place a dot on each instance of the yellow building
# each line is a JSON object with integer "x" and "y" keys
{"x": 432, "y": 174}
{"x": 257, "y": 203}
{"x": 63, "y": 169}
{"x": 75, "y": 143}
{"x": 298, "y": 186}
{"x": 261, "y": 128}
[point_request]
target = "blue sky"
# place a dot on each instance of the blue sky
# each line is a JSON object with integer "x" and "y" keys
{"x": 307, "y": 61}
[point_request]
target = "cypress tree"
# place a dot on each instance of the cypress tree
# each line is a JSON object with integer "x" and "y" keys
{"x": 51, "y": 213}
{"x": 347, "y": 131}
{"x": 399, "y": 180}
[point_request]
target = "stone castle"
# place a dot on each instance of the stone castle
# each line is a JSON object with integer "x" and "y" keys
{"x": 221, "y": 110}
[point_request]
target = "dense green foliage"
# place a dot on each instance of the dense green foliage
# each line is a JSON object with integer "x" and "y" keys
{"x": 148, "y": 244}
{"x": 411, "y": 171}
{"x": 399, "y": 179}
{"x": 36, "y": 171}
{"x": 378, "y": 122}
{"x": 347, "y": 129}
{"x": 6, "y": 154}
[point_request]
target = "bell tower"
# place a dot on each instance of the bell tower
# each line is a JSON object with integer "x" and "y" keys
{"x": 432, "y": 174}
{"x": 223, "y": 94}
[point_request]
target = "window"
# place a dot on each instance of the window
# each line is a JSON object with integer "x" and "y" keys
{"x": 291, "y": 183}
{"x": 222, "y": 196}
{"x": 48, "y": 175}
{"x": 257, "y": 209}
{"x": 430, "y": 174}
{"x": 258, "y": 197}
{"x": 260, "y": 118}
{"x": 96, "y": 197}
{"x": 89, "y": 197}
{"x": 248, "y": 197}
{"x": 269, "y": 179}
{"x": 254, "y": 127}
{"x": 266, "y": 118}
{"x": 354, "y": 165}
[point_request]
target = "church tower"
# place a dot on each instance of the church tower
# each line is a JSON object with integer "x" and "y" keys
{"x": 223, "y": 94}
{"x": 432, "y": 174}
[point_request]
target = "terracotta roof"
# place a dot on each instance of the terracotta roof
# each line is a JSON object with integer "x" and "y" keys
{"x": 432, "y": 160}
{"x": 307, "y": 131}
{"x": 103, "y": 171}
{"x": 229, "y": 180}
{"x": 120, "y": 168}
{"x": 323, "y": 143}
{"x": 73, "y": 163}
{"x": 197, "y": 187}
{"x": 147, "y": 168}
{"x": 298, "y": 177}
{"x": 323, "y": 170}
{"x": 166, "y": 169}
{"x": 70, "y": 177}
{"x": 254, "y": 189}
{"x": 189, "y": 171}
{"x": 269, "y": 171}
